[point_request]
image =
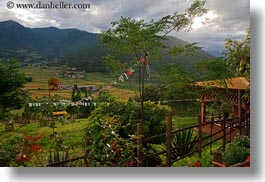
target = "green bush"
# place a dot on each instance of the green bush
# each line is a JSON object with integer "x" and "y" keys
{"x": 9, "y": 150}
{"x": 237, "y": 151}
{"x": 128, "y": 115}
{"x": 113, "y": 124}
{"x": 106, "y": 147}
{"x": 241, "y": 141}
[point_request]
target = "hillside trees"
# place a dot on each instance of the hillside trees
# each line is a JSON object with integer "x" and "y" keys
{"x": 215, "y": 69}
{"x": 238, "y": 55}
{"x": 12, "y": 94}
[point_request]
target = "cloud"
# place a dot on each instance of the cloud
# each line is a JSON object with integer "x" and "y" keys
{"x": 232, "y": 21}
{"x": 232, "y": 17}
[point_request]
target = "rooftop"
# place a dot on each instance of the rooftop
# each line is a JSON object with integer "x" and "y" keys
{"x": 59, "y": 113}
{"x": 238, "y": 83}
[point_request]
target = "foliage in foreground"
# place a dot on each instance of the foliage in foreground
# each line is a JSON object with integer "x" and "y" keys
{"x": 112, "y": 128}
{"x": 205, "y": 160}
{"x": 237, "y": 151}
{"x": 106, "y": 147}
{"x": 12, "y": 94}
{"x": 9, "y": 150}
{"x": 127, "y": 114}
{"x": 180, "y": 140}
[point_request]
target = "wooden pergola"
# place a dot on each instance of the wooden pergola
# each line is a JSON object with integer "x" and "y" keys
{"x": 231, "y": 90}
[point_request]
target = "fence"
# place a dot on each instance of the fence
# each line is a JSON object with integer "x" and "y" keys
{"x": 73, "y": 162}
{"x": 217, "y": 129}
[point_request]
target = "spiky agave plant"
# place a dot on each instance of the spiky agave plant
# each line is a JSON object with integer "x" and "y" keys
{"x": 183, "y": 142}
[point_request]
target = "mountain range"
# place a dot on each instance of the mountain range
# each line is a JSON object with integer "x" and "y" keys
{"x": 72, "y": 46}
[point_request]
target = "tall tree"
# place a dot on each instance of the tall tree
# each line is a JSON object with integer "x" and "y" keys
{"x": 129, "y": 39}
{"x": 238, "y": 55}
{"x": 139, "y": 41}
{"x": 53, "y": 84}
{"x": 12, "y": 94}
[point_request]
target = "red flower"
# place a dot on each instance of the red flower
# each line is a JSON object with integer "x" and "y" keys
{"x": 248, "y": 158}
{"x": 33, "y": 138}
{"x": 197, "y": 164}
{"x": 141, "y": 59}
{"x": 22, "y": 157}
{"x": 132, "y": 163}
{"x": 35, "y": 147}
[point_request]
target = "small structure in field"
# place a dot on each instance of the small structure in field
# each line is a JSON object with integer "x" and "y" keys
{"x": 59, "y": 113}
{"x": 9, "y": 126}
{"x": 73, "y": 73}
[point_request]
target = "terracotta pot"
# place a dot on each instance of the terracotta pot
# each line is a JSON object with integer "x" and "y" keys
{"x": 217, "y": 164}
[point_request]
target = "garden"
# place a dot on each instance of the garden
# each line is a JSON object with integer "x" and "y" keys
{"x": 171, "y": 117}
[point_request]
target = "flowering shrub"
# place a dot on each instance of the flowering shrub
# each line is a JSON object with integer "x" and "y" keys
{"x": 113, "y": 125}
{"x": 127, "y": 113}
{"x": 106, "y": 147}
{"x": 30, "y": 151}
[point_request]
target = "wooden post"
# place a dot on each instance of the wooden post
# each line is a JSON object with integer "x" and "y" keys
{"x": 224, "y": 130}
{"x": 168, "y": 139}
{"x": 211, "y": 138}
{"x": 239, "y": 112}
{"x": 139, "y": 143}
{"x": 248, "y": 124}
{"x": 86, "y": 152}
{"x": 203, "y": 111}
{"x": 199, "y": 137}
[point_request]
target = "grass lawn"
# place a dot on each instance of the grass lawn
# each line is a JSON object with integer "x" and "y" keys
{"x": 73, "y": 134}
{"x": 182, "y": 122}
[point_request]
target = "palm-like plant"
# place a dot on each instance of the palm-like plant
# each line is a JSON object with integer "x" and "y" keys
{"x": 183, "y": 143}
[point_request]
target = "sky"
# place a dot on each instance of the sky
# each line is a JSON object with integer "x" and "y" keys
{"x": 226, "y": 19}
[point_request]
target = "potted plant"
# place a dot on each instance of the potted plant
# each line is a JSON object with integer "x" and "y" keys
{"x": 236, "y": 152}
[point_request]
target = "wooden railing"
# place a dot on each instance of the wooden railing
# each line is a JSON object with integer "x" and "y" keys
{"x": 225, "y": 131}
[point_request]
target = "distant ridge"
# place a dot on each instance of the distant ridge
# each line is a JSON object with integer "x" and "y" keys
{"x": 74, "y": 47}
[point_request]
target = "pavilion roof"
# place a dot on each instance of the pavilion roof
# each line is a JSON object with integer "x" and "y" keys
{"x": 237, "y": 83}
